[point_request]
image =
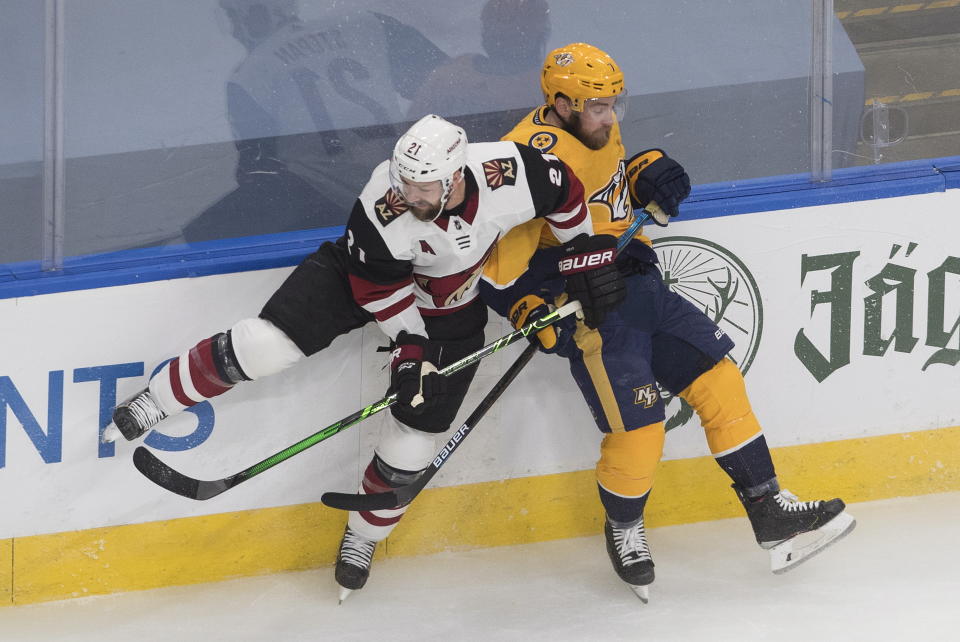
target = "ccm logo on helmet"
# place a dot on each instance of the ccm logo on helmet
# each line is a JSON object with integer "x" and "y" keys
{"x": 581, "y": 262}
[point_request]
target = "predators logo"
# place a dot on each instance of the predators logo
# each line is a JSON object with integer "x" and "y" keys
{"x": 646, "y": 395}
{"x": 500, "y": 172}
{"x": 542, "y": 141}
{"x": 614, "y": 195}
{"x": 389, "y": 207}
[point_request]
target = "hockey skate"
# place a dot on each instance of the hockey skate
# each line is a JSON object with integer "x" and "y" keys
{"x": 631, "y": 557}
{"x": 794, "y": 531}
{"x": 133, "y": 417}
{"x": 353, "y": 562}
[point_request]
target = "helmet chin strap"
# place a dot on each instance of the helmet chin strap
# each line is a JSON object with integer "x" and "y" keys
{"x": 447, "y": 192}
{"x": 446, "y": 196}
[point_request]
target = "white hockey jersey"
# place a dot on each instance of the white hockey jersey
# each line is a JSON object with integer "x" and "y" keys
{"x": 402, "y": 268}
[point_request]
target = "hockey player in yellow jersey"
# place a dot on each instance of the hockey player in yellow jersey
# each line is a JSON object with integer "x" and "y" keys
{"x": 598, "y": 160}
{"x": 655, "y": 339}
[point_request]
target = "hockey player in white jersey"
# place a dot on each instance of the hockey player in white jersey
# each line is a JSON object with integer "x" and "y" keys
{"x": 415, "y": 244}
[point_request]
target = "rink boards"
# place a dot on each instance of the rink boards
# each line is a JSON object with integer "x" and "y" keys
{"x": 847, "y": 323}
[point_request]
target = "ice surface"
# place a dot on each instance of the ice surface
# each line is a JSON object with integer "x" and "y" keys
{"x": 896, "y": 577}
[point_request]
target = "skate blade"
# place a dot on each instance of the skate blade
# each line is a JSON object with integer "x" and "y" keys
{"x": 643, "y": 592}
{"x": 344, "y": 594}
{"x": 111, "y": 433}
{"x": 787, "y": 555}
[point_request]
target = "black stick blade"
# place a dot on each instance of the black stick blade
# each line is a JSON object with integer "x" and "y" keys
{"x": 165, "y": 477}
{"x": 400, "y": 496}
{"x": 357, "y": 502}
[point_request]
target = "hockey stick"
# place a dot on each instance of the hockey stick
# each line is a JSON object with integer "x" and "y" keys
{"x": 403, "y": 495}
{"x": 632, "y": 229}
{"x": 163, "y": 475}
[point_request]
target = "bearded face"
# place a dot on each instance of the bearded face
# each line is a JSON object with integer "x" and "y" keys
{"x": 593, "y": 134}
{"x": 422, "y": 199}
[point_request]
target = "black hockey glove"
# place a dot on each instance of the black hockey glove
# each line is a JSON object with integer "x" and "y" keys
{"x": 553, "y": 338}
{"x": 592, "y": 277}
{"x": 413, "y": 375}
{"x": 654, "y": 177}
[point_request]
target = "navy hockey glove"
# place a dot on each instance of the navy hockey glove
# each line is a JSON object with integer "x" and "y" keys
{"x": 656, "y": 179}
{"x": 553, "y": 338}
{"x": 413, "y": 375}
{"x": 592, "y": 276}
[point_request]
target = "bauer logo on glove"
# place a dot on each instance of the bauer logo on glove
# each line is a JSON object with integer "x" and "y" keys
{"x": 581, "y": 262}
{"x": 592, "y": 275}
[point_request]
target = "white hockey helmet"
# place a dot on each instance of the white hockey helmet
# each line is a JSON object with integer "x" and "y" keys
{"x": 433, "y": 149}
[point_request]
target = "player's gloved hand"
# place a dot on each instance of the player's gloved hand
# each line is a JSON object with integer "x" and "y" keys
{"x": 592, "y": 277}
{"x": 552, "y": 338}
{"x": 656, "y": 179}
{"x": 413, "y": 375}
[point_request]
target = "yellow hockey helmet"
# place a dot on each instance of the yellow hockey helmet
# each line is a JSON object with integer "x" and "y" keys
{"x": 580, "y": 72}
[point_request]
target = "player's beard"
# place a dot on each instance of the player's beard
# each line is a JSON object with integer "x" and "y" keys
{"x": 595, "y": 140}
{"x": 425, "y": 213}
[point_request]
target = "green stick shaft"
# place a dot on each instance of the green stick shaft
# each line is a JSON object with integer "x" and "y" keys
{"x": 531, "y": 328}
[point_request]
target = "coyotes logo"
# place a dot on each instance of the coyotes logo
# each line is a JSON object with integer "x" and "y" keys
{"x": 389, "y": 207}
{"x": 500, "y": 172}
{"x": 423, "y": 282}
{"x": 462, "y": 284}
{"x": 446, "y": 291}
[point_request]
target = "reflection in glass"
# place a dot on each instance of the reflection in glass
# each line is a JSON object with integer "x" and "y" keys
{"x": 473, "y": 89}
{"x": 209, "y": 119}
{"x": 313, "y": 108}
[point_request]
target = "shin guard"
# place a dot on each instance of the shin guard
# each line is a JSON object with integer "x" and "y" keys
{"x": 206, "y": 370}
{"x": 251, "y": 349}
{"x": 400, "y": 456}
{"x": 625, "y": 471}
{"x": 719, "y": 396}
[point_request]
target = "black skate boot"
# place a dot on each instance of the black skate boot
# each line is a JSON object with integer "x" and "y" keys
{"x": 353, "y": 562}
{"x": 631, "y": 557}
{"x": 134, "y": 416}
{"x": 794, "y": 531}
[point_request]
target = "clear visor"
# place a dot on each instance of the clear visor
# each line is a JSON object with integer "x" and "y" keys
{"x": 599, "y": 107}
{"x": 415, "y": 193}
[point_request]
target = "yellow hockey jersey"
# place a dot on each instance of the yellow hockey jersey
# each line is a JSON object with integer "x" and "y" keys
{"x": 605, "y": 190}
